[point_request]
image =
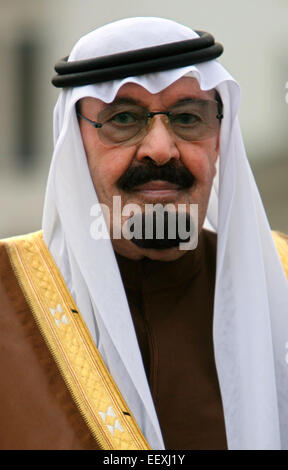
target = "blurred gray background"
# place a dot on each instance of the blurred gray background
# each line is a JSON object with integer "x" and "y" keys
{"x": 34, "y": 34}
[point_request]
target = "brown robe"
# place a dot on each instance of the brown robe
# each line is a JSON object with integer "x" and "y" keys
{"x": 172, "y": 308}
{"x": 37, "y": 410}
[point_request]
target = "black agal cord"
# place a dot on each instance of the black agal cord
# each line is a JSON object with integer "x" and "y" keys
{"x": 137, "y": 62}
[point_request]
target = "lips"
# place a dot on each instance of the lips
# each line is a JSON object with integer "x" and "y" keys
{"x": 158, "y": 190}
{"x": 157, "y": 186}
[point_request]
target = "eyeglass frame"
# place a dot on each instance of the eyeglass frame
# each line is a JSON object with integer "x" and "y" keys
{"x": 151, "y": 114}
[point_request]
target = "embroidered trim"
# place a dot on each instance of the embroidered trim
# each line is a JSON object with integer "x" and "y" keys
{"x": 281, "y": 243}
{"x": 80, "y": 363}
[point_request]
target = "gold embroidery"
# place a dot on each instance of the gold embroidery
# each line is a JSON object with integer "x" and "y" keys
{"x": 72, "y": 347}
{"x": 281, "y": 242}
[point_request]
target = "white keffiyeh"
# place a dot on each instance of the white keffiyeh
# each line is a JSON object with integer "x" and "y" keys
{"x": 251, "y": 295}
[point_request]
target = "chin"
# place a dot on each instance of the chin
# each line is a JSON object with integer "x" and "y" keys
{"x": 166, "y": 254}
{"x": 129, "y": 250}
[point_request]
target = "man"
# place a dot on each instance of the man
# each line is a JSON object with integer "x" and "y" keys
{"x": 191, "y": 343}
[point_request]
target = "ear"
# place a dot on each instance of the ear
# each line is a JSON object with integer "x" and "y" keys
{"x": 217, "y": 147}
{"x": 216, "y": 153}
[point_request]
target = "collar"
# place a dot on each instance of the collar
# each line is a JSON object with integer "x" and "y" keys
{"x": 152, "y": 275}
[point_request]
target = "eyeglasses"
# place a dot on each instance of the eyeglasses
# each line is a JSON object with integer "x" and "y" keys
{"x": 126, "y": 124}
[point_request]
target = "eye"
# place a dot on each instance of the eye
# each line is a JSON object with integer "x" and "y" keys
{"x": 124, "y": 118}
{"x": 185, "y": 119}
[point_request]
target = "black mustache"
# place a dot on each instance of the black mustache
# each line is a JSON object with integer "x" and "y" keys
{"x": 141, "y": 174}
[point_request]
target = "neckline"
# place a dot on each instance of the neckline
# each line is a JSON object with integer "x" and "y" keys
{"x": 151, "y": 275}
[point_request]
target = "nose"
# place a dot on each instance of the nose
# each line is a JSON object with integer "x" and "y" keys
{"x": 158, "y": 144}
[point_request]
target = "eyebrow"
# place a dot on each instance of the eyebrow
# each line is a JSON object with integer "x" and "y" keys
{"x": 127, "y": 100}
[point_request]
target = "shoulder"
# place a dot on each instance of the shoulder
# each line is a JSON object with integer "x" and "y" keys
{"x": 20, "y": 239}
{"x": 13, "y": 301}
{"x": 281, "y": 243}
{"x": 280, "y": 240}
{"x": 10, "y": 248}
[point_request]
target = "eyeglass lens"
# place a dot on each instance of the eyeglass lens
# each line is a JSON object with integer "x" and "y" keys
{"x": 125, "y": 124}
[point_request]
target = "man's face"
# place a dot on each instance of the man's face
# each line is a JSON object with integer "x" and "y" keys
{"x": 159, "y": 147}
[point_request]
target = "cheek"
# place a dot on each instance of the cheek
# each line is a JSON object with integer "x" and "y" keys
{"x": 200, "y": 159}
{"x": 107, "y": 165}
